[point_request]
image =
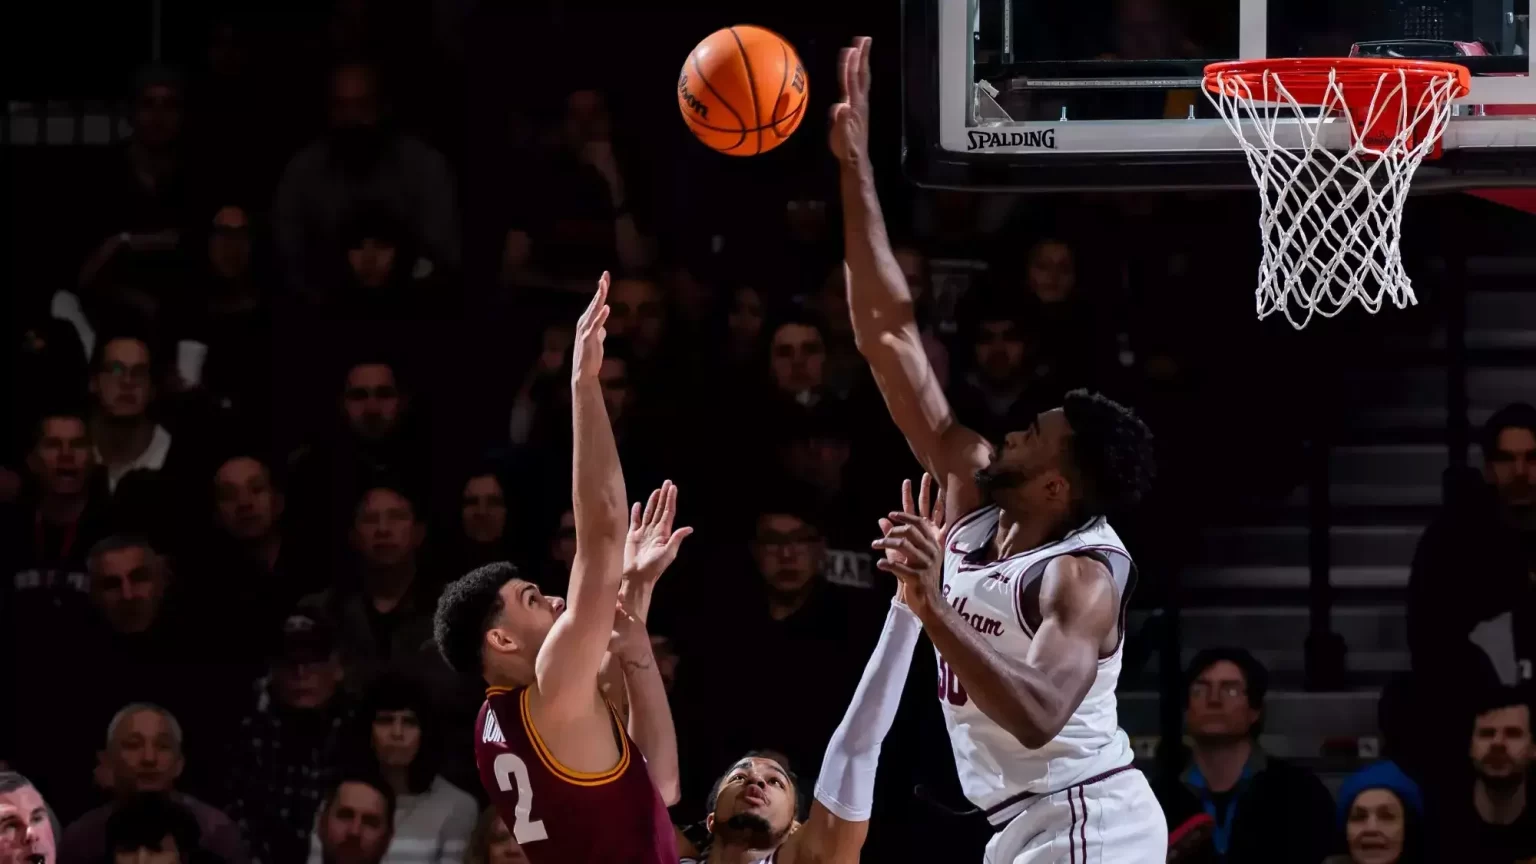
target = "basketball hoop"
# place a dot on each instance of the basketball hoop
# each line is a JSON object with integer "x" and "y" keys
{"x": 1331, "y": 219}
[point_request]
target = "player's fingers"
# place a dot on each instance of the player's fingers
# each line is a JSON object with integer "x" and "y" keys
{"x": 650, "y": 507}
{"x": 906, "y": 496}
{"x": 900, "y": 570}
{"x": 679, "y": 536}
{"x": 938, "y": 508}
{"x": 865, "y": 44}
{"x": 634, "y": 516}
{"x": 924, "y": 507}
{"x": 885, "y": 527}
{"x": 845, "y": 60}
{"x": 669, "y": 503}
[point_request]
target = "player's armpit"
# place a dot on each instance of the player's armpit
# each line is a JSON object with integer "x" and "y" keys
{"x": 1079, "y": 610}
{"x": 824, "y": 839}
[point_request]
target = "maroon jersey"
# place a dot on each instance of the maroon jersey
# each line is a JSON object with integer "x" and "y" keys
{"x": 560, "y": 815}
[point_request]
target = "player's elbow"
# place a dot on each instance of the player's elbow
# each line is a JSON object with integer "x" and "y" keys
{"x": 1037, "y": 725}
{"x": 671, "y": 790}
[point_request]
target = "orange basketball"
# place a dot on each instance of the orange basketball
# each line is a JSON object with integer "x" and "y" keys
{"x": 742, "y": 90}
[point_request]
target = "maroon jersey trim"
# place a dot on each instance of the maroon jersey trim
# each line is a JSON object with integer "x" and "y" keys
{"x": 577, "y": 778}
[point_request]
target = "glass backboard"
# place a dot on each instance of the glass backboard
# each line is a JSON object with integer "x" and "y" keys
{"x": 1039, "y": 95}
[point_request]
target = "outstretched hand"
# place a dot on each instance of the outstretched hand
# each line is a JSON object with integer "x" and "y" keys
{"x": 651, "y": 545}
{"x": 587, "y": 357}
{"x": 850, "y": 115}
{"x": 913, "y": 542}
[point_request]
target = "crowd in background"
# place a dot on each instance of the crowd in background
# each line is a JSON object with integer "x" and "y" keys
{"x": 277, "y": 377}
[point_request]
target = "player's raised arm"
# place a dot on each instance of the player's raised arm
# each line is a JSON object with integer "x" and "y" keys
{"x": 880, "y": 304}
{"x": 838, "y": 823}
{"x": 568, "y": 663}
{"x": 1079, "y": 608}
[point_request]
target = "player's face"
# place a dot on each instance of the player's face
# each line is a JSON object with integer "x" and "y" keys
{"x": 1029, "y": 458}
{"x": 167, "y": 853}
{"x": 501, "y": 848}
{"x": 1375, "y": 828}
{"x": 1218, "y": 703}
{"x": 1501, "y": 743}
{"x": 127, "y": 586}
{"x": 484, "y": 511}
{"x": 396, "y": 737}
{"x": 62, "y": 457}
{"x": 247, "y": 504}
{"x": 144, "y": 755}
{"x": 122, "y": 380}
{"x": 527, "y": 615}
{"x": 384, "y": 531}
{"x": 371, "y": 400}
{"x": 757, "y": 800}
{"x": 26, "y": 834}
{"x": 788, "y": 552}
{"x": 796, "y": 359}
{"x": 1512, "y": 468}
{"x": 356, "y": 828}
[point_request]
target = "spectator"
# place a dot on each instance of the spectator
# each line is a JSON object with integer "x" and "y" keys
{"x": 384, "y": 617}
{"x": 492, "y": 843}
{"x": 543, "y": 392}
{"x": 1382, "y": 814}
{"x": 914, "y": 268}
{"x": 1499, "y": 825}
{"x": 789, "y": 618}
{"x": 143, "y": 757}
{"x": 796, "y": 361}
{"x": 27, "y": 825}
{"x": 484, "y": 534}
{"x": 744, "y": 332}
{"x": 433, "y": 818}
{"x": 282, "y": 761}
{"x": 1265, "y": 809}
{"x": 49, "y": 531}
{"x": 150, "y": 827}
{"x": 1009, "y": 382}
{"x": 575, "y": 217}
{"x": 555, "y": 575}
{"x": 123, "y": 383}
{"x": 357, "y": 823}
{"x": 363, "y": 159}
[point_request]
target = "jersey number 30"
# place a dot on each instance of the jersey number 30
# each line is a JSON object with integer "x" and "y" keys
{"x": 510, "y": 768}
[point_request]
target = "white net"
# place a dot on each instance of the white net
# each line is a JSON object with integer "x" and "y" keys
{"x": 1331, "y": 219}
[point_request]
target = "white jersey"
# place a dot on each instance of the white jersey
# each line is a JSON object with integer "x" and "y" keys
{"x": 996, "y": 772}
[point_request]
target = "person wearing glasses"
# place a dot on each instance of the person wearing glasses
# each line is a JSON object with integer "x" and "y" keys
{"x": 1242, "y": 804}
{"x": 123, "y": 387}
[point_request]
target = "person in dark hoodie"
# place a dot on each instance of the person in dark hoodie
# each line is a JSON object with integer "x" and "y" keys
{"x": 1262, "y": 809}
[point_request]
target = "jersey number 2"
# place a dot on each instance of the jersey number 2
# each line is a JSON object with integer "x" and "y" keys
{"x": 510, "y": 768}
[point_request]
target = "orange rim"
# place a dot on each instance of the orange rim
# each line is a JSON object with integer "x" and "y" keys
{"x": 1307, "y": 78}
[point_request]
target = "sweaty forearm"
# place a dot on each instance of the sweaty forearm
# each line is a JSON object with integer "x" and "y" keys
{"x": 1014, "y": 696}
{"x": 878, "y": 296}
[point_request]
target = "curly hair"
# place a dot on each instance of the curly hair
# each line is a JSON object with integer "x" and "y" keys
{"x": 465, "y": 611}
{"x": 1110, "y": 452}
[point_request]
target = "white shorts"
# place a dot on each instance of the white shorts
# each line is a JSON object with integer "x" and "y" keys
{"x": 1113, "y": 821}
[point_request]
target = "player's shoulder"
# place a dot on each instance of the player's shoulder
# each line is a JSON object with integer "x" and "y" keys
{"x": 970, "y": 531}
{"x": 502, "y": 706}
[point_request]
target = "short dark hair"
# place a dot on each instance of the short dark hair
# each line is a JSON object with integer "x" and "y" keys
{"x": 385, "y": 483}
{"x": 62, "y": 412}
{"x": 1516, "y": 415}
{"x": 11, "y": 781}
{"x": 466, "y": 609}
{"x": 773, "y": 756}
{"x": 1255, "y": 676}
{"x": 363, "y": 777}
{"x": 1496, "y": 697}
{"x": 1110, "y": 452}
{"x": 144, "y": 822}
{"x": 122, "y": 334}
{"x": 117, "y": 543}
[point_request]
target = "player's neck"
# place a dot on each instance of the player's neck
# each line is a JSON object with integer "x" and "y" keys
{"x": 1017, "y": 533}
{"x": 730, "y": 853}
{"x": 1221, "y": 761}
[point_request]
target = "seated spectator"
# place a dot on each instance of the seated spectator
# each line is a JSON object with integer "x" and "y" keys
{"x": 152, "y": 828}
{"x": 384, "y": 616}
{"x": 1010, "y": 380}
{"x": 1496, "y": 823}
{"x": 27, "y": 825}
{"x": 433, "y": 818}
{"x": 363, "y": 158}
{"x": 357, "y": 822}
{"x": 484, "y": 535}
{"x": 555, "y": 572}
{"x": 1382, "y": 814}
{"x": 126, "y": 436}
{"x": 283, "y": 760}
{"x": 1265, "y": 809}
{"x": 143, "y": 757}
{"x": 492, "y": 843}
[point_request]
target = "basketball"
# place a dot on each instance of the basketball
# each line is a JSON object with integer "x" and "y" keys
{"x": 742, "y": 90}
